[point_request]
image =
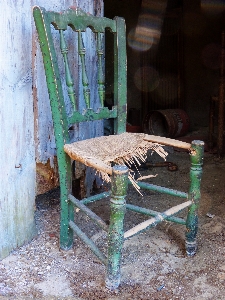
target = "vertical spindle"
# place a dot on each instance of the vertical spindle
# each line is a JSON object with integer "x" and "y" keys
{"x": 69, "y": 81}
{"x": 86, "y": 90}
{"x": 101, "y": 80}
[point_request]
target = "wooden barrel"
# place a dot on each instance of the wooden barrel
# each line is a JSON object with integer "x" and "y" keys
{"x": 168, "y": 123}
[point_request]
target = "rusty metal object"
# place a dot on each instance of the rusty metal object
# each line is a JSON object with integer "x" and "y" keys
{"x": 170, "y": 166}
{"x": 168, "y": 122}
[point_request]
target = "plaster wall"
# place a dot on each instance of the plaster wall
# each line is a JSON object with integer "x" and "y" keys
{"x": 17, "y": 155}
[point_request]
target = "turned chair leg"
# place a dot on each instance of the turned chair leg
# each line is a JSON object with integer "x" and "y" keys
{"x": 116, "y": 232}
{"x": 197, "y": 151}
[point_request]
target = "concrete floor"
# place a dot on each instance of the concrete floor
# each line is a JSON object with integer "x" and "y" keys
{"x": 154, "y": 264}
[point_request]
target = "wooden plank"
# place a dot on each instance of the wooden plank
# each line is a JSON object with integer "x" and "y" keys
{"x": 17, "y": 177}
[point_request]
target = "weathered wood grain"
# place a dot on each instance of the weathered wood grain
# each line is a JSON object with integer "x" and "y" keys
{"x": 17, "y": 155}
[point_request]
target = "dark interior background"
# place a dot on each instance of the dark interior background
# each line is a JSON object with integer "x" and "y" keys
{"x": 173, "y": 54}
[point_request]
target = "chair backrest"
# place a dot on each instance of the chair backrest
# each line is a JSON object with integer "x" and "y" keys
{"x": 79, "y": 21}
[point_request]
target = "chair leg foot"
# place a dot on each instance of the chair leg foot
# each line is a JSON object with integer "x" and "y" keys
{"x": 191, "y": 248}
{"x": 191, "y": 231}
{"x": 66, "y": 248}
{"x": 112, "y": 283}
{"x": 66, "y": 243}
{"x": 66, "y": 233}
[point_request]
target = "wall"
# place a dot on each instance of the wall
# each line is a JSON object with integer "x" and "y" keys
{"x": 17, "y": 155}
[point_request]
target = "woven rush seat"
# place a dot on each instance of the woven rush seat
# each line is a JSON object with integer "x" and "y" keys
{"x": 100, "y": 152}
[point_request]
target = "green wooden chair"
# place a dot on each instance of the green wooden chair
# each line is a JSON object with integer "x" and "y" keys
{"x": 109, "y": 155}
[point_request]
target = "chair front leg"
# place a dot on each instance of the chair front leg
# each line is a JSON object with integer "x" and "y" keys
{"x": 116, "y": 231}
{"x": 197, "y": 152}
